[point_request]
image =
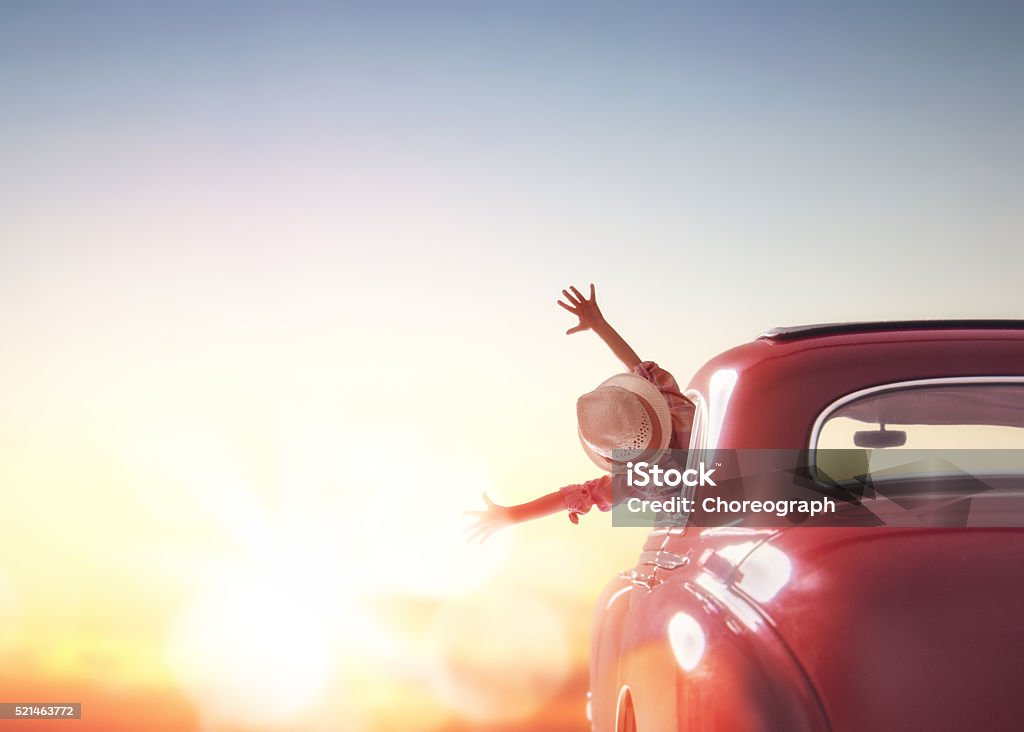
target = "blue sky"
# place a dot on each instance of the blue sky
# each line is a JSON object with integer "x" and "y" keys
{"x": 417, "y": 181}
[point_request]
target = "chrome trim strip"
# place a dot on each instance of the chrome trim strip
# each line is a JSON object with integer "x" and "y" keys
{"x": 662, "y": 559}
{"x": 647, "y": 581}
{"x": 698, "y": 439}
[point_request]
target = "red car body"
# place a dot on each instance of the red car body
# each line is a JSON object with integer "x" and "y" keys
{"x": 876, "y": 628}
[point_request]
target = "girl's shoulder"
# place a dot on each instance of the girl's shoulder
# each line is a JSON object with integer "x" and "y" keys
{"x": 658, "y": 376}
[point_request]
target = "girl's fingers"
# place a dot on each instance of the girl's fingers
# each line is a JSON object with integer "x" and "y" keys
{"x": 577, "y": 293}
{"x": 576, "y": 329}
{"x": 570, "y": 308}
{"x": 480, "y": 531}
{"x": 570, "y": 298}
{"x": 591, "y": 290}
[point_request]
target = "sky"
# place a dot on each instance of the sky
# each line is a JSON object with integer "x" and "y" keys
{"x": 279, "y": 283}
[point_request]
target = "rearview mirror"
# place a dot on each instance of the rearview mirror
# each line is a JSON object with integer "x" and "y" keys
{"x": 880, "y": 438}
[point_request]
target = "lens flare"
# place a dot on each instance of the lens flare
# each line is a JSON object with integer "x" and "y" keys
{"x": 764, "y": 572}
{"x": 500, "y": 656}
{"x": 687, "y": 640}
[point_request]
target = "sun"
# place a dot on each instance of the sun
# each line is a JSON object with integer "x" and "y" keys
{"x": 251, "y": 653}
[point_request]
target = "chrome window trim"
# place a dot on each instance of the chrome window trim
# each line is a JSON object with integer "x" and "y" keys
{"x": 699, "y": 429}
{"x": 896, "y": 386}
{"x": 698, "y": 440}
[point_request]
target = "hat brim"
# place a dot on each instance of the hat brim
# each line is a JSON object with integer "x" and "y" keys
{"x": 653, "y": 397}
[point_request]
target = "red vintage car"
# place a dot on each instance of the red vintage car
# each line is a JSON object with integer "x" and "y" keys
{"x": 824, "y": 628}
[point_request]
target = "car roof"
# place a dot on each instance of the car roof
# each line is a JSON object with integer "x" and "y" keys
{"x": 800, "y": 332}
{"x": 774, "y": 386}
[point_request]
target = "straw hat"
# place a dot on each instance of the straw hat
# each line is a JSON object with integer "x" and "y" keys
{"x": 626, "y": 412}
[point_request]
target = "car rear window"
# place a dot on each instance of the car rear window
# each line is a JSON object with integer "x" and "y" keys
{"x": 924, "y": 429}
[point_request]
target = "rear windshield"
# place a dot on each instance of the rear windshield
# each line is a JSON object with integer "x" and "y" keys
{"x": 925, "y": 430}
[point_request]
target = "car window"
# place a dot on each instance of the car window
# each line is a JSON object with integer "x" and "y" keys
{"x": 923, "y": 429}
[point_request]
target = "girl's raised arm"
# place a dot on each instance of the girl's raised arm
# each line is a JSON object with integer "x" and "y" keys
{"x": 591, "y": 318}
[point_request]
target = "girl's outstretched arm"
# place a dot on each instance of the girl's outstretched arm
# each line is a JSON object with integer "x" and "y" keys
{"x": 497, "y": 517}
{"x": 591, "y": 319}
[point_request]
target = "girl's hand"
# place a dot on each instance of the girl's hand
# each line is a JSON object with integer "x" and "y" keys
{"x": 586, "y": 310}
{"x": 487, "y": 522}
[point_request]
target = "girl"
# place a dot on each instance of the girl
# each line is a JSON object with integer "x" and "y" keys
{"x": 641, "y": 410}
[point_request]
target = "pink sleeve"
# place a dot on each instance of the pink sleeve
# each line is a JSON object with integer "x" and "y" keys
{"x": 579, "y": 498}
{"x": 657, "y": 376}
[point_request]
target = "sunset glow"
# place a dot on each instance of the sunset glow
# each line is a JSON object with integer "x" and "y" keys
{"x": 278, "y": 307}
